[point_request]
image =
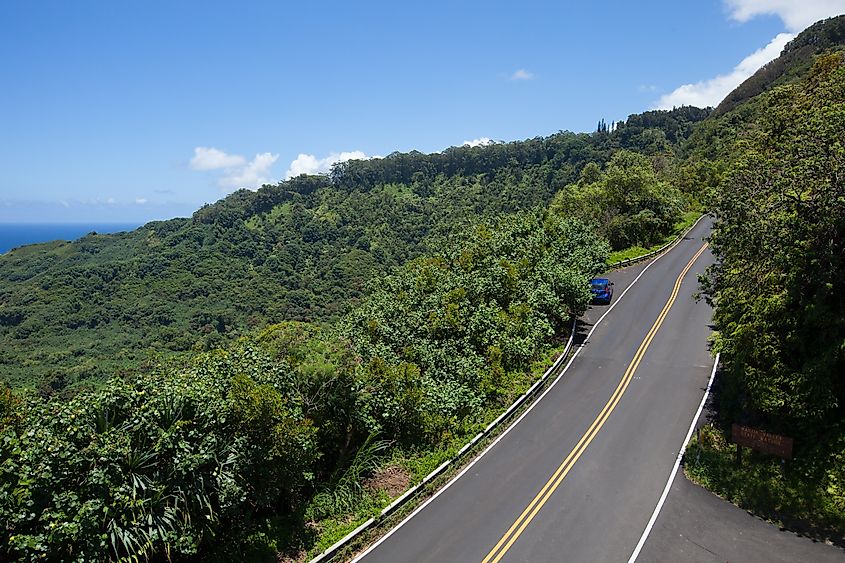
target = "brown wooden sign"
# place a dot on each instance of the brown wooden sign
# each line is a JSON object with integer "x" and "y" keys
{"x": 774, "y": 444}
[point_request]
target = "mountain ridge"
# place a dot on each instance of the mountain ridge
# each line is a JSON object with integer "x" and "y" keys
{"x": 794, "y": 60}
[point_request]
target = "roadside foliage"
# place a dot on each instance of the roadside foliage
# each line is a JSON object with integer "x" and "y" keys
{"x": 780, "y": 308}
{"x": 73, "y": 314}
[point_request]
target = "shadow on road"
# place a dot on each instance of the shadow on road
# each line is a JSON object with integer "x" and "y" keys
{"x": 582, "y": 329}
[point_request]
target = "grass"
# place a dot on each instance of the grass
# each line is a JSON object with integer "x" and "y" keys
{"x": 685, "y": 223}
{"x": 334, "y": 529}
{"x": 793, "y": 496}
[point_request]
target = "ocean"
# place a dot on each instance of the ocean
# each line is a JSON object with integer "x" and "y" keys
{"x": 13, "y": 235}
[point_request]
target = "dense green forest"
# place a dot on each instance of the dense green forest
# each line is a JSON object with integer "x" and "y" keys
{"x": 780, "y": 311}
{"x": 75, "y": 313}
{"x": 781, "y": 237}
{"x": 230, "y": 385}
{"x": 194, "y": 456}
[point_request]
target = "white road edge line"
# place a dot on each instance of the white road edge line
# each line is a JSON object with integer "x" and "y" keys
{"x": 665, "y": 494}
{"x": 518, "y": 420}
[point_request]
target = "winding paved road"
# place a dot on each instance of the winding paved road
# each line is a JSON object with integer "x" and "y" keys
{"x": 578, "y": 477}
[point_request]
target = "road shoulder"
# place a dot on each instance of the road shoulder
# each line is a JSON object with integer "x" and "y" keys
{"x": 697, "y": 526}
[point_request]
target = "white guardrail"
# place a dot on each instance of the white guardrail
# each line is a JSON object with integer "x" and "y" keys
{"x": 329, "y": 553}
{"x": 410, "y": 493}
{"x": 653, "y": 253}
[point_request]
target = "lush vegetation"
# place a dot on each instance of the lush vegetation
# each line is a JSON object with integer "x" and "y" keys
{"x": 161, "y": 413}
{"x": 73, "y": 314}
{"x": 204, "y": 456}
{"x": 241, "y": 382}
{"x": 628, "y": 202}
{"x": 159, "y": 464}
{"x": 780, "y": 310}
{"x": 458, "y": 327}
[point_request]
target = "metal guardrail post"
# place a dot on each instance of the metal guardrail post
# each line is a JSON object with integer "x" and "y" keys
{"x": 653, "y": 253}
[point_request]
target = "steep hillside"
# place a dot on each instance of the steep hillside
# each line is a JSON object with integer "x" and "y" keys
{"x": 795, "y": 61}
{"x": 779, "y": 308}
{"x": 300, "y": 250}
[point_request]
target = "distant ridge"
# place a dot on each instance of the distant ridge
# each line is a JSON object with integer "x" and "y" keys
{"x": 794, "y": 61}
{"x": 14, "y": 235}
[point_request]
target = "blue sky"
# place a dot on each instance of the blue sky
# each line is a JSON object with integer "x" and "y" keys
{"x": 118, "y": 111}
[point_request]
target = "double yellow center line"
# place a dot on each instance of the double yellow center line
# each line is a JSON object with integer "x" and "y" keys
{"x": 558, "y": 476}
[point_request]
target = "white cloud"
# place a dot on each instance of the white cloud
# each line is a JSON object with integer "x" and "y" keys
{"x": 795, "y": 14}
{"x": 140, "y": 201}
{"x": 522, "y": 74}
{"x": 253, "y": 175}
{"x": 236, "y": 171}
{"x": 310, "y": 164}
{"x": 711, "y": 92}
{"x": 646, "y": 88}
{"x": 209, "y": 158}
{"x": 480, "y": 142}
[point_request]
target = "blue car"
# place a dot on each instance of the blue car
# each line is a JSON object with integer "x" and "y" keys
{"x": 602, "y": 289}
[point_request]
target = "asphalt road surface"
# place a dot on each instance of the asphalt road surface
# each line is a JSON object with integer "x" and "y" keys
{"x": 577, "y": 478}
{"x": 696, "y": 526}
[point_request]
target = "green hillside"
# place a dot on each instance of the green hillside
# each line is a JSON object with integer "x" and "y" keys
{"x": 233, "y": 385}
{"x": 75, "y": 313}
{"x": 209, "y": 385}
{"x": 779, "y": 310}
{"x": 793, "y": 63}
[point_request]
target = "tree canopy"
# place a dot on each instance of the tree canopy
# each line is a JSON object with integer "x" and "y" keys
{"x": 780, "y": 236}
{"x": 72, "y": 314}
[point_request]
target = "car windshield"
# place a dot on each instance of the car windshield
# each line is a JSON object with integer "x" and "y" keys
{"x": 599, "y": 284}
